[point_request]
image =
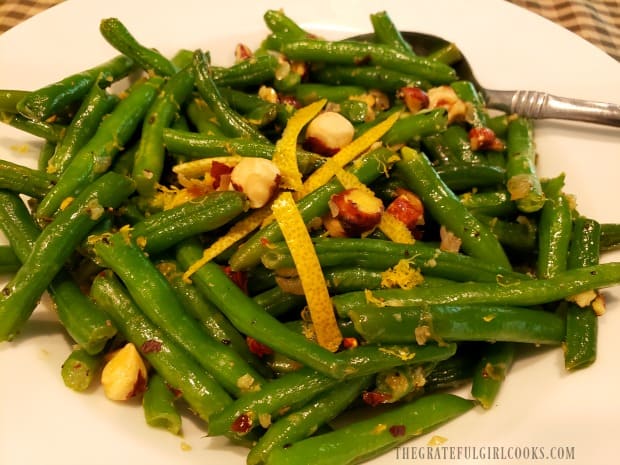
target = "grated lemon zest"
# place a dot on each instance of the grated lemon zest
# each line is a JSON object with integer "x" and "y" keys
{"x": 296, "y": 235}
{"x": 238, "y": 231}
{"x": 402, "y": 275}
{"x": 285, "y": 153}
{"x": 395, "y": 229}
{"x": 350, "y": 181}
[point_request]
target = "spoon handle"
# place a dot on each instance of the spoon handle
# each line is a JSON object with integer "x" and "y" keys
{"x": 539, "y": 105}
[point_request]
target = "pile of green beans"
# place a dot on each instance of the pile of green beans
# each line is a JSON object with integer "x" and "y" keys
{"x": 93, "y": 227}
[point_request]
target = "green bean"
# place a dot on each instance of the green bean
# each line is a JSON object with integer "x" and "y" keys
{"x": 247, "y": 73}
{"x": 86, "y": 325}
{"x": 364, "y": 439}
{"x": 519, "y": 293}
{"x": 96, "y": 156}
{"x": 96, "y": 104}
{"x": 448, "y": 54}
{"x": 455, "y": 371}
{"x": 158, "y": 405}
{"x": 369, "y": 77}
{"x": 123, "y": 162}
{"x": 305, "y": 421}
{"x": 414, "y": 127}
{"x": 355, "y": 111}
{"x": 53, "y": 246}
{"x": 182, "y": 58}
{"x": 466, "y": 91}
{"x": 457, "y": 323}
{"x": 386, "y": 33}
{"x": 80, "y": 369}
{"x": 438, "y": 151}
{"x": 520, "y": 235}
{"x": 499, "y": 124}
{"x": 50, "y": 100}
{"x": 554, "y": 230}
{"x": 463, "y": 176}
{"x": 446, "y": 208}
{"x": 311, "y": 206}
{"x": 460, "y": 177}
{"x": 457, "y": 139}
{"x": 277, "y": 21}
{"x": 166, "y": 228}
{"x": 117, "y": 35}
{"x": 348, "y": 52}
{"x": 9, "y": 98}
{"x": 522, "y": 180}
{"x": 9, "y": 263}
{"x": 180, "y": 370}
{"x": 491, "y": 372}
{"x": 311, "y": 92}
{"x": 582, "y": 323}
{"x": 46, "y": 152}
{"x": 398, "y": 384}
{"x": 610, "y": 236}
{"x": 195, "y": 145}
{"x": 257, "y": 111}
{"x": 214, "y": 322}
{"x": 277, "y": 302}
{"x": 149, "y": 159}
{"x": 49, "y": 131}
{"x": 383, "y": 254}
{"x": 341, "y": 279}
{"x": 371, "y": 359}
{"x": 291, "y": 390}
{"x": 490, "y": 203}
{"x": 296, "y": 388}
{"x": 202, "y": 118}
{"x": 251, "y": 319}
{"x": 24, "y": 180}
{"x": 396, "y": 107}
{"x": 156, "y": 298}
{"x": 232, "y": 124}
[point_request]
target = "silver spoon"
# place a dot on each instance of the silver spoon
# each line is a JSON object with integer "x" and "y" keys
{"x": 528, "y": 103}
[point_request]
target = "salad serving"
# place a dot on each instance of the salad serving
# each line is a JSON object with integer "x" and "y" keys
{"x": 323, "y": 227}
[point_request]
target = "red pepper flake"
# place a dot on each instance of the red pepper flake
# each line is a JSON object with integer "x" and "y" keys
{"x": 242, "y": 424}
{"x": 258, "y": 348}
{"x": 151, "y": 346}
{"x": 240, "y": 278}
{"x": 374, "y": 398}
{"x": 398, "y": 430}
{"x": 349, "y": 343}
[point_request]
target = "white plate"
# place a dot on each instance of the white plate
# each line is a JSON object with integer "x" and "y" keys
{"x": 540, "y": 406}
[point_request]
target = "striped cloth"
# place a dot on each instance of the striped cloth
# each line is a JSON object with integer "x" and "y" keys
{"x": 597, "y": 21}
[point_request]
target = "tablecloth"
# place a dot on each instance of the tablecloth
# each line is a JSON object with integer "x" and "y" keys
{"x": 597, "y": 21}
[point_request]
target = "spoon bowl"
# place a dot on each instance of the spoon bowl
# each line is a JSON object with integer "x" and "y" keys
{"x": 528, "y": 103}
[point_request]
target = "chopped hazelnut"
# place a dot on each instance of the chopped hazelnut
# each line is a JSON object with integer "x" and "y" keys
{"x": 481, "y": 138}
{"x": 328, "y": 133}
{"x": 357, "y": 211}
{"x": 415, "y": 98}
{"x": 258, "y": 178}
{"x": 125, "y": 375}
{"x": 445, "y": 97}
{"x": 408, "y": 208}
